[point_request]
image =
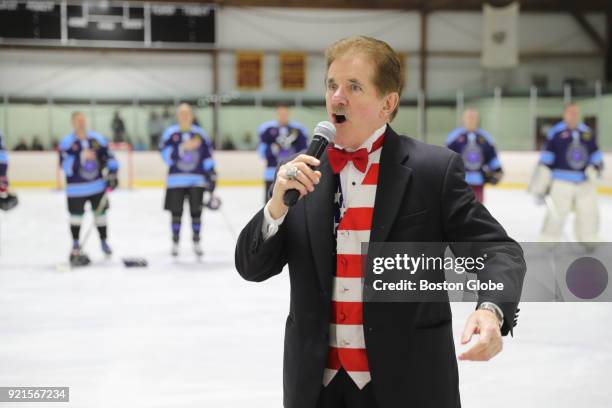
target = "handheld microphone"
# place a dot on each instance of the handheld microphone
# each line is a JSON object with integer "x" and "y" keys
{"x": 323, "y": 134}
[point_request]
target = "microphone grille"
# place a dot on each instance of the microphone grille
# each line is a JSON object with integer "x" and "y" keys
{"x": 326, "y": 129}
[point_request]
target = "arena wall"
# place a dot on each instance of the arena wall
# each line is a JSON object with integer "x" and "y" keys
{"x": 40, "y": 169}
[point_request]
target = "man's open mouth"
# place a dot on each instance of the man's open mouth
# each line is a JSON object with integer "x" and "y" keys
{"x": 339, "y": 118}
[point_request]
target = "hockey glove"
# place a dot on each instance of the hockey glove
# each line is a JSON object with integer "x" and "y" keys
{"x": 211, "y": 180}
{"x": 112, "y": 180}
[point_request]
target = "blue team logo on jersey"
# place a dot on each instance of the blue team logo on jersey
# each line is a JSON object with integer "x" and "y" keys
{"x": 473, "y": 158}
{"x": 283, "y": 145}
{"x": 89, "y": 169}
{"x": 286, "y": 138}
{"x": 188, "y": 160}
{"x": 577, "y": 156}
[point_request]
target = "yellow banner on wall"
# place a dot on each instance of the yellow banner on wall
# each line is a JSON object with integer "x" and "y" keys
{"x": 249, "y": 70}
{"x": 292, "y": 71}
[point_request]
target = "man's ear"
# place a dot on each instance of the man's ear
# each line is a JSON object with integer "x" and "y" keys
{"x": 391, "y": 102}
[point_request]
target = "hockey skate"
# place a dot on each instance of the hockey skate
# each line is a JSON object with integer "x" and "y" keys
{"x": 8, "y": 201}
{"x": 106, "y": 249}
{"x": 197, "y": 248}
{"x": 175, "y": 249}
{"x": 77, "y": 257}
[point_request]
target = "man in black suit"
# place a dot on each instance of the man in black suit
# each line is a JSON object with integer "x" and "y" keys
{"x": 408, "y": 357}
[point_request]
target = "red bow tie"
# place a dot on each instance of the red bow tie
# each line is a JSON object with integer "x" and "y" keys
{"x": 338, "y": 159}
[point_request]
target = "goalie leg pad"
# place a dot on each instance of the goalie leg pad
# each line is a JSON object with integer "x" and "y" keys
{"x": 540, "y": 181}
{"x": 558, "y": 207}
{"x": 587, "y": 213}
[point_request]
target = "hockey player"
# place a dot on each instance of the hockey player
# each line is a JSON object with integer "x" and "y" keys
{"x": 570, "y": 164}
{"x": 187, "y": 151}
{"x": 90, "y": 169}
{"x": 477, "y": 149}
{"x": 279, "y": 139}
{"x": 7, "y": 200}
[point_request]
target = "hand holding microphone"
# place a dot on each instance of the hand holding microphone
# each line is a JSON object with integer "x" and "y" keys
{"x": 297, "y": 178}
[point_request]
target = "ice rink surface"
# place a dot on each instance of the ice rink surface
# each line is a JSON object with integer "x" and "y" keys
{"x": 183, "y": 333}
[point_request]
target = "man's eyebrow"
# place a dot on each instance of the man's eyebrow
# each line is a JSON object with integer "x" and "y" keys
{"x": 352, "y": 81}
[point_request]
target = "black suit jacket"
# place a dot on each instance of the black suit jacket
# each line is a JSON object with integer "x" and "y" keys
{"x": 421, "y": 196}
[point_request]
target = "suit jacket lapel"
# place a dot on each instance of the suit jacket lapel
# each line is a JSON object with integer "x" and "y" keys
{"x": 319, "y": 208}
{"x": 393, "y": 179}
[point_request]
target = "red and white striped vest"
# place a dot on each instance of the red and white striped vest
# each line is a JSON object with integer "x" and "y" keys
{"x": 347, "y": 347}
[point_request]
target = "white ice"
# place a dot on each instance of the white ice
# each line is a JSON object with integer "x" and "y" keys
{"x": 183, "y": 333}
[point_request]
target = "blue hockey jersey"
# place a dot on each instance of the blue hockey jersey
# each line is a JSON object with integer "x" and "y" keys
{"x": 3, "y": 158}
{"x": 278, "y": 142}
{"x": 84, "y": 177}
{"x": 568, "y": 152}
{"x": 186, "y": 168}
{"x": 478, "y": 151}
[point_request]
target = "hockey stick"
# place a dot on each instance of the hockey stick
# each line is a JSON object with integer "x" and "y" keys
{"x": 228, "y": 224}
{"x": 82, "y": 259}
{"x": 127, "y": 261}
{"x": 219, "y": 208}
{"x": 92, "y": 225}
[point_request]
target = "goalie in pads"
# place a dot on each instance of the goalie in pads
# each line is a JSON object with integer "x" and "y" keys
{"x": 570, "y": 165}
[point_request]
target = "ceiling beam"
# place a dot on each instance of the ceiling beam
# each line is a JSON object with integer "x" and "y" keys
{"x": 589, "y": 30}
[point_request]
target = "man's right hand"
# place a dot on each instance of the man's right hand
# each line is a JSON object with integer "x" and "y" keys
{"x": 192, "y": 144}
{"x": 304, "y": 182}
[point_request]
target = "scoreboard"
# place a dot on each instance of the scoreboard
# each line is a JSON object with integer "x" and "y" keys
{"x": 25, "y": 21}
{"x": 106, "y": 24}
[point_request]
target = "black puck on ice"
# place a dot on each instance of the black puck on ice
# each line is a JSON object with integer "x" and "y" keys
{"x": 134, "y": 262}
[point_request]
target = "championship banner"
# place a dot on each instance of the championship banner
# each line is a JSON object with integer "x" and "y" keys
{"x": 249, "y": 66}
{"x": 500, "y": 36}
{"x": 292, "y": 71}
